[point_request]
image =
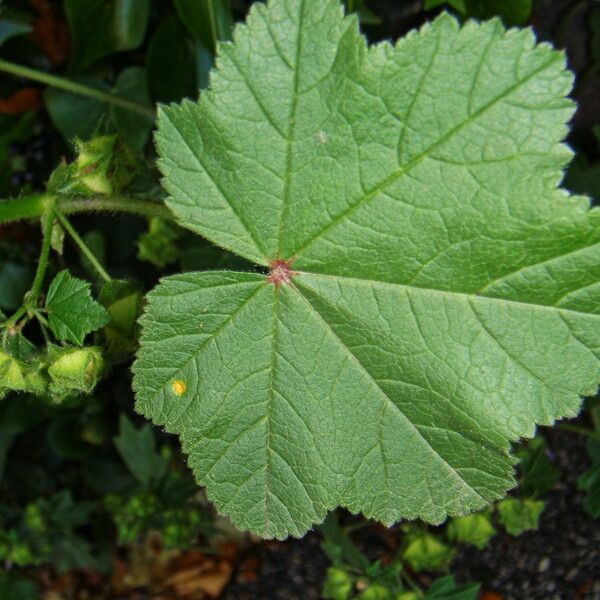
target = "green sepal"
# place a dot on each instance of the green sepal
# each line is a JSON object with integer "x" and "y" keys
{"x": 103, "y": 167}
{"x": 73, "y": 370}
{"x": 18, "y": 376}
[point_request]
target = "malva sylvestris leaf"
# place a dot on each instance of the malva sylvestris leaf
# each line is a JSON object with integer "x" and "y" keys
{"x": 432, "y": 294}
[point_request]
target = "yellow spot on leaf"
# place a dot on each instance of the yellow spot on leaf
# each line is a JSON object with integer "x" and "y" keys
{"x": 179, "y": 387}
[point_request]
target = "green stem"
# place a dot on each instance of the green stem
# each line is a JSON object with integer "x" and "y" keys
{"x": 31, "y": 299}
{"x": 83, "y": 246}
{"x": 44, "y": 326}
{"x": 30, "y": 207}
{"x": 75, "y": 88}
{"x": 40, "y": 273}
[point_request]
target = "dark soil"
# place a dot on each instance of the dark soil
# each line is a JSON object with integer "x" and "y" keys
{"x": 560, "y": 561}
{"x": 281, "y": 571}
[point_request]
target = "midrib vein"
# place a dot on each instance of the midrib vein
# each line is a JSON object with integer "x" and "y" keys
{"x": 291, "y": 128}
{"x": 385, "y": 183}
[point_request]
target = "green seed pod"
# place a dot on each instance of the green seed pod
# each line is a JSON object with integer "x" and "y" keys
{"x": 74, "y": 369}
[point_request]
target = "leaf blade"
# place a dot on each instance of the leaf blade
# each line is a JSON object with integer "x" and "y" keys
{"x": 72, "y": 312}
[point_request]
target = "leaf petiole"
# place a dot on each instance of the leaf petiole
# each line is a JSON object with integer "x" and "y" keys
{"x": 30, "y": 207}
{"x": 31, "y": 298}
{"x": 82, "y": 246}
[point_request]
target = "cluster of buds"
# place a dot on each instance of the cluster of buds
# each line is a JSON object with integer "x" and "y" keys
{"x": 60, "y": 373}
{"x": 16, "y": 375}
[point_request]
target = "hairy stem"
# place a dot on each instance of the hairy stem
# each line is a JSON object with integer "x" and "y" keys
{"x": 30, "y": 207}
{"x": 31, "y": 298}
{"x": 40, "y": 273}
{"x": 83, "y": 246}
{"x": 75, "y": 88}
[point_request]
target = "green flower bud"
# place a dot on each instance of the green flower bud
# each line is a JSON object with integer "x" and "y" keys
{"x": 91, "y": 168}
{"x": 74, "y": 369}
{"x": 18, "y": 376}
{"x": 12, "y": 376}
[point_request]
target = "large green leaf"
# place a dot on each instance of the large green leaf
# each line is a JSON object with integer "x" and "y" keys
{"x": 432, "y": 293}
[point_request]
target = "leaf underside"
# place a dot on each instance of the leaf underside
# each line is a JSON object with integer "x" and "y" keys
{"x": 445, "y": 293}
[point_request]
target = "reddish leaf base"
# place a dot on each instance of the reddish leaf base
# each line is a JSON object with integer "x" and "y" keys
{"x": 280, "y": 272}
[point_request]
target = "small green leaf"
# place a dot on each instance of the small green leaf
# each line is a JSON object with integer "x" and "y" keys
{"x": 476, "y": 529}
{"x": 76, "y": 116}
{"x": 209, "y": 21}
{"x": 171, "y": 45}
{"x": 157, "y": 245}
{"x": 72, "y": 312}
{"x": 135, "y": 129}
{"x": 12, "y": 27}
{"x": 338, "y": 585}
{"x": 123, "y": 302}
{"x": 445, "y": 589}
{"x": 101, "y": 27}
{"x": 590, "y": 482}
{"x": 425, "y": 552}
{"x": 538, "y": 474}
{"x": 137, "y": 447}
{"x": 518, "y": 516}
